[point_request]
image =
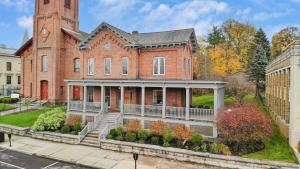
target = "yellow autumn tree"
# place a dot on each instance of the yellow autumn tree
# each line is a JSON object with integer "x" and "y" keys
{"x": 224, "y": 60}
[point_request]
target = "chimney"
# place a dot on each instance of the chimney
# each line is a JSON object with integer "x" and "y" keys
{"x": 135, "y": 35}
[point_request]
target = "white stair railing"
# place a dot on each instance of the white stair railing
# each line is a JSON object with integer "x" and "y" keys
{"x": 85, "y": 131}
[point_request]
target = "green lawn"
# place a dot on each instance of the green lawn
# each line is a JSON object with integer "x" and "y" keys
{"x": 208, "y": 100}
{"x": 4, "y": 106}
{"x": 277, "y": 147}
{"x": 25, "y": 119}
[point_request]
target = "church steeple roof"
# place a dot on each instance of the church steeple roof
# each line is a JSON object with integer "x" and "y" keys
{"x": 25, "y": 37}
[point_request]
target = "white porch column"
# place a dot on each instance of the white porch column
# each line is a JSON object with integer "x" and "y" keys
{"x": 102, "y": 99}
{"x": 143, "y": 106}
{"x": 84, "y": 103}
{"x": 187, "y": 103}
{"x": 68, "y": 97}
{"x": 122, "y": 100}
{"x": 164, "y": 102}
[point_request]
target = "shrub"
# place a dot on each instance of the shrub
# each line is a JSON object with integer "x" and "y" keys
{"x": 299, "y": 147}
{"x": 109, "y": 136}
{"x": 72, "y": 120}
{"x": 158, "y": 128}
{"x": 78, "y": 127}
{"x": 130, "y": 137}
{"x": 143, "y": 135}
{"x": 204, "y": 147}
{"x": 219, "y": 149}
{"x": 113, "y": 133}
{"x": 65, "y": 129}
{"x": 167, "y": 138}
{"x": 155, "y": 140}
{"x": 8, "y": 100}
{"x": 244, "y": 124}
{"x": 50, "y": 121}
{"x": 120, "y": 131}
{"x": 182, "y": 132}
{"x": 197, "y": 139}
{"x": 134, "y": 126}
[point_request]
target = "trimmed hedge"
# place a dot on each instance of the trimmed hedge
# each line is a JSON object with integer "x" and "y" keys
{"x": 8, "y": 100}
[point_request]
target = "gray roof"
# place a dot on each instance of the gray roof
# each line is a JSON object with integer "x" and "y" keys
{"x": 6, "y": 51}
{"x": 147, "y": 40}
{"x": 79, "y": 35}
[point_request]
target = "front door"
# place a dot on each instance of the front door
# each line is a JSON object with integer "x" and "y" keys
{"x": 76, "y": 92}
{"x": 44, "y": 90}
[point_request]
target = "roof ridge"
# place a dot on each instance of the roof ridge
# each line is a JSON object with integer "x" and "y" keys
{"x": 168, "y": 31}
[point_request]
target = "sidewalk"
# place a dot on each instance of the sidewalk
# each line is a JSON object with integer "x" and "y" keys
{"x": 17, "y": 109}
{"x": 92, "y": 157}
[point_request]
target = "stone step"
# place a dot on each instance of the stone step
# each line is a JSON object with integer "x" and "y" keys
{"x": 90, "y": 145}
{"x": 93, "y": 139}
{"x": 92, "y": 135}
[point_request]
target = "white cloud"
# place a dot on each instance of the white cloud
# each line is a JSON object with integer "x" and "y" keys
{"x": 262, "y": 16}
{"x": 189, "y": 13}
{"x": 243, "y": 12}
{"x": 147, "y": 7}
{"x": 21, "y": 5}
{"x": 26, "y": 22}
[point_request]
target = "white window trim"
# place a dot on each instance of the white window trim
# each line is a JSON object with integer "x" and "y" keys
{"x": 159, "y": 72}
{"x": 107, "y": 74}
{"x": 89, "y": 72}
{"x": 127, "y": 66}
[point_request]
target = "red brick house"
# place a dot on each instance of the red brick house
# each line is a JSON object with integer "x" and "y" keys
{"x": 139, "y": 75}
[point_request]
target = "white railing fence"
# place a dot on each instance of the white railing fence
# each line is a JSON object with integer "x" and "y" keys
{"x": 132, "y": 109}
{"x": 175, "y": 112}
{"x": 94, "y": 107}
{"x": 153, "y": 111}
{"x": 76, "y": 105}
{"x": 85, "y": 131}
{"x": 202, "y": 114}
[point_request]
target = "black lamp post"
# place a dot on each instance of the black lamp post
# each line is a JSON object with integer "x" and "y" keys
{"x": 9, "y": 138}
{"x": 135, "y": 157}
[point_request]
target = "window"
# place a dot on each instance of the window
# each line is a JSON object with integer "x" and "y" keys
{"x": 91, "y": 66}
{"x": 159, "y": 66}
{"x": 44, "y": 63}
{"x": 31, "y": 65}
{"x": 68, "y": 4}
{"x": 19, "y": 79}
{"x": 90, "y": 94}
{"x": 125, "y": 66}
{"x": 8, "y": 66}
{"x": 76, "y": 65}
{"x": 157, "y": 97}
{"x": 61, "y": 90}
{"x": 107, "y": 66}
{"x": 8, "y": 80}
{"x": 46, "y": 2}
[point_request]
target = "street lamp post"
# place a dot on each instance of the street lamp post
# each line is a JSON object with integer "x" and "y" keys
{"x": 9, "y": 138}
{"x": 135, "y": 157}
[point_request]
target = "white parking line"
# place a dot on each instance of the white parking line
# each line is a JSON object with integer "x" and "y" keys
{"x": 50, "y": 165}
{"x": 11, "y": 165}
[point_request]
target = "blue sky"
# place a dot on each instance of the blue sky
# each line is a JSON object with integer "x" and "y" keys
{"x": 157, "y": 15}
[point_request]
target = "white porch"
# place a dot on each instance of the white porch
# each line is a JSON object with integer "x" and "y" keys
{"x": 145, "y": 112}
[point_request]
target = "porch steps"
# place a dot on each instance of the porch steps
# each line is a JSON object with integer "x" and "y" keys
{"x": 92, "y": 138}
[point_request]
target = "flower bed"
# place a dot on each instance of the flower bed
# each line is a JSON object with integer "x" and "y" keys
{"x": 180, "y": 137}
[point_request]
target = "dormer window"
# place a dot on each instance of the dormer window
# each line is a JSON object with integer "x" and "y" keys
{"x": 46, "y": 2}
{"x": 68, "y": 4}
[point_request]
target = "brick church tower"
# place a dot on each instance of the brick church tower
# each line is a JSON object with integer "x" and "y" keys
{"x": 48, "y": 51}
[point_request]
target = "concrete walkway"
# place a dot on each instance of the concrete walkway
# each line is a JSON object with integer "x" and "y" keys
{"x": 93, "y": 157}
{"x": 17, "y": 110}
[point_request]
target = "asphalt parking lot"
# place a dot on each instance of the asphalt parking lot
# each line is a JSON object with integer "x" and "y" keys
{"x": 15, "y": 160}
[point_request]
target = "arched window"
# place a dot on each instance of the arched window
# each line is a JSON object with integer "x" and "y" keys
{"x": 44, "y": 63}
{"x": 76, "y": 65}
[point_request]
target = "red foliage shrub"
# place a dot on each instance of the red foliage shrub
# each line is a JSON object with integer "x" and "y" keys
{"x": 299, "y": 147}
{"x": 244, "y": 123}
{"x": 134, "y": 126}
{"x": 72, "y": 120}
{"x": 158, "y": 128}
{"x": 182, "y": 132}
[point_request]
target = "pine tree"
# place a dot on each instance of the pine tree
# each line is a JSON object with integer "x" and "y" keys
{"x": 215, "y": 37}
{"x": 260, "y": 38}
{"x": 257, "y": 69}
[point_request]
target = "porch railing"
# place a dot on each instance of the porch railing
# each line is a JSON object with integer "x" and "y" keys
{"x": 132, "y": 109}
{"x": 153, "y": 111}
{"x": 177, "y": 113}
{"x": 76, "y": 105}
{"x": 201, "y": 114}
{"x": 94, "y": 107}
